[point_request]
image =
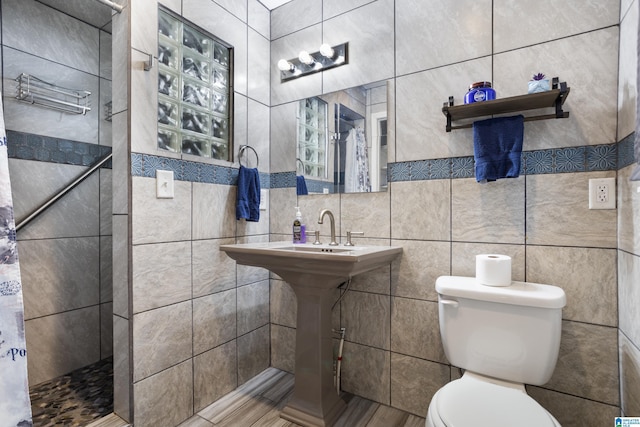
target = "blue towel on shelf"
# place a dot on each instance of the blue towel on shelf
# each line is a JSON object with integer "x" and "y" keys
{"x": 301, "y": 186}
{"x": 497, "y": 147}
{"x": 248, "y": 200}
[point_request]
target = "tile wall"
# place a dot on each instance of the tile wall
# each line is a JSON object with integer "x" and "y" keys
{"x": 628, "y": 216}
{"x": 65, "y": 264}
{"x": 430, "y": 50}
{"x": 189, "y": 326}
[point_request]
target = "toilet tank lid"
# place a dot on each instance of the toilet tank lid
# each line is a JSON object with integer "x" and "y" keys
{"x": 519, "y": 293}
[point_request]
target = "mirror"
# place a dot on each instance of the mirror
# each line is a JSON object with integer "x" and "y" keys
{"x": 341, "y": 144}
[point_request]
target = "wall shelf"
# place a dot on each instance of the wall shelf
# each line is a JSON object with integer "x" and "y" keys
{"x": 553, "y": 98}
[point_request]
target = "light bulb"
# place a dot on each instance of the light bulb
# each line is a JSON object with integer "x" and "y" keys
{"x": 285, "y": 65}
{"x": 326, "y": 51}
{"x": 306, "y": 58}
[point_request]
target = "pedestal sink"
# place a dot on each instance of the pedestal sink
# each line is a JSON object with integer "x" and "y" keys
{"x": 313, "y": 271}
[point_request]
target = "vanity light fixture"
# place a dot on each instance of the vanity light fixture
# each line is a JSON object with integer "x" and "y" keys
{"x": 308, "y": 63}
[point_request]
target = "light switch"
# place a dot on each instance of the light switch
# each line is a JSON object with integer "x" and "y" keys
{"x": 263, "y": 199}
{"x": 164, "y": 184}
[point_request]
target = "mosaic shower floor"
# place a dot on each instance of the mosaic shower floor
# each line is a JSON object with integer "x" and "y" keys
{"x": 74, "y": 399}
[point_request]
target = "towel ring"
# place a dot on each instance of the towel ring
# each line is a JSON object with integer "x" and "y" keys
{"x": 298, "y": 161}
{"x": 244, "y": 147}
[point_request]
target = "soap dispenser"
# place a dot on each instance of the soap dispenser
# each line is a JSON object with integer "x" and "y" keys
{"x": 299, "y": 229}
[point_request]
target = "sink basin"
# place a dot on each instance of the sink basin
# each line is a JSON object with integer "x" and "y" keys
{"x": 314, "y": 272}
{"x": 321, "y": 265}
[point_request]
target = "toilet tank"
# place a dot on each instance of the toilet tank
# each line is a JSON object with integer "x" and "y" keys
{"x": 510, "y": 333}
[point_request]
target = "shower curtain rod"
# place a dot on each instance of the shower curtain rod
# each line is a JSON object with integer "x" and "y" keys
{"x": 112, "y": 5}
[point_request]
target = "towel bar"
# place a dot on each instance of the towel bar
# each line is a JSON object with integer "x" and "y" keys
{"x": 242, "y": 149}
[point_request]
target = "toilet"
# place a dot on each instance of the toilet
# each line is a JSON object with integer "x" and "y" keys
{"x": 503, "y": 338}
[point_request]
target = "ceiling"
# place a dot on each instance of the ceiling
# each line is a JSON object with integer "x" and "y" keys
{"x": 272, "y": 4}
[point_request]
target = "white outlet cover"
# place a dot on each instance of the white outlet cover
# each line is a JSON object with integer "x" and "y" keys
{"x": 164, "y": 184}
{"x": 594, "y": 185}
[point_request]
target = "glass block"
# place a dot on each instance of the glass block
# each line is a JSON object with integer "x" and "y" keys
{"x": 167, "y": 112}
{"x": 219, "y": 103}
{"x": 168, "y": 140}
{"x": 219, "y": 127}
{"x": 168, "y": 54}
{"x": 221, "y": 55}
{"x": 195, "y": 66}
{"x": 219, "y": 150}
{"x": 195, "y": 93}
{"x": 196, "y": 41}
{"x": 168, "y": 26}
{"x": 220, "y": 79}
{"x": 195, "y": 145}
{"x": 195, "y": 121}
{"x": 168, "y": 83}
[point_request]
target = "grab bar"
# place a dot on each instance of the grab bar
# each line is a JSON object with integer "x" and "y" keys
{"x": 64, "y": 191}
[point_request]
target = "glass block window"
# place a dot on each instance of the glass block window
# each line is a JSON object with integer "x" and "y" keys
{"x": 312, "y": 137}
{"x": 194, "y": 90}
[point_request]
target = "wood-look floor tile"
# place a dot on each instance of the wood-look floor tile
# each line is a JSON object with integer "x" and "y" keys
{"x": 358, "y": 413}
{"x": 386, "y": 416}
{"x": 111, "y": 420}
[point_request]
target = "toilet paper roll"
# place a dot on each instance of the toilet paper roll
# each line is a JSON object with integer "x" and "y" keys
{"x": 493, "y": 270}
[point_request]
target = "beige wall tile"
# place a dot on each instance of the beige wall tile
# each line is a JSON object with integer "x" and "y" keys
{"x": 628, "y": 212}
{"x": 366, "y": 372}
{"x": 61, "y": 343}
{"x": 161, "y": 338}
{"x": 628, "y": 70}
{"x": 165, "y": 398}
{"x": 414, "y": 382}
{"x": 214, "y": 320}
{"x": 161, "y": 275}
{"x": 213, "y": 271}
{"x": 122, "y": 387}
{"x": 414, "y": 273}
{"x": 588, "y": 363}
{"x": 215, "y": 374}
{"x": 253, "y": 353}
{"x": 429, "y": 23}
{"x": 214, "y": 211}
{"x": 373, "y": 219}
{"x": 421, "y": 210}
{"x": 366, "y": 318}
{"x": 629, "y": 295}
{"x": 629, "y": 376}
{"x": 588, "y": 277}
{"x": 247, "y": 274}
{"x": 283, "y": 304}
{"x": 415, "y": 329}
{"x": 523, "y": 24}
{"x": 160, "y": 220}
{"x": 283, "y": 348}
{"x": 253, "y": 306}
{"x": 310, "y": 207}
{"x": 559, "y": 217}
{"x": 490, "y": 213}
{"x": 574, "y": 411}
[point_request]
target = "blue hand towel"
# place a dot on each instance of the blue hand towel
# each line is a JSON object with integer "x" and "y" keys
{"x": 301, "y": 186}
{"x": 248, "y": 200}
{"x": 497, "y": 146}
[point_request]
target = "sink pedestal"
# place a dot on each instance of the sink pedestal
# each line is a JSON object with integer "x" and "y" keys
{"x": 314, "y": 272}
{"x": 315, "y": 401}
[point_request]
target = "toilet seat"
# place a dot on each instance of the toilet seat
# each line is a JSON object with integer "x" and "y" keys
{"x": 471, "y": 402}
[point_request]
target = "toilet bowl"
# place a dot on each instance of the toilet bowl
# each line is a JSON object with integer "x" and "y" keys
{"x": 504, "y": 338}
{"x": 482, "y": 402}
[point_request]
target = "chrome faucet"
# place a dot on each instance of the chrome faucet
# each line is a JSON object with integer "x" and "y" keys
{"x": 324, "y": 212}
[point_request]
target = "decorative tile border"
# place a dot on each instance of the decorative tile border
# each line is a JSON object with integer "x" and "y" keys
{"x": 184, "y": 170}
{"x": 558, "y": 160}
{"x": 27, "y": 146}
{"x": 587, "y": 158}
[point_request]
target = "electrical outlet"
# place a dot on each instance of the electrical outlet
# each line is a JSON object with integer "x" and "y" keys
{"x": 602, "y": 193}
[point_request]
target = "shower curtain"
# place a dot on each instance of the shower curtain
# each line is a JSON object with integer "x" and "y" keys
{"x": 15, "y": 406}
{"x": 356, "y": 174}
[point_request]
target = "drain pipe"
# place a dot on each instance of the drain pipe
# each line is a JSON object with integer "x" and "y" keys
{"x": 112, "y": 5}
{"x": 339, "y": 362}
